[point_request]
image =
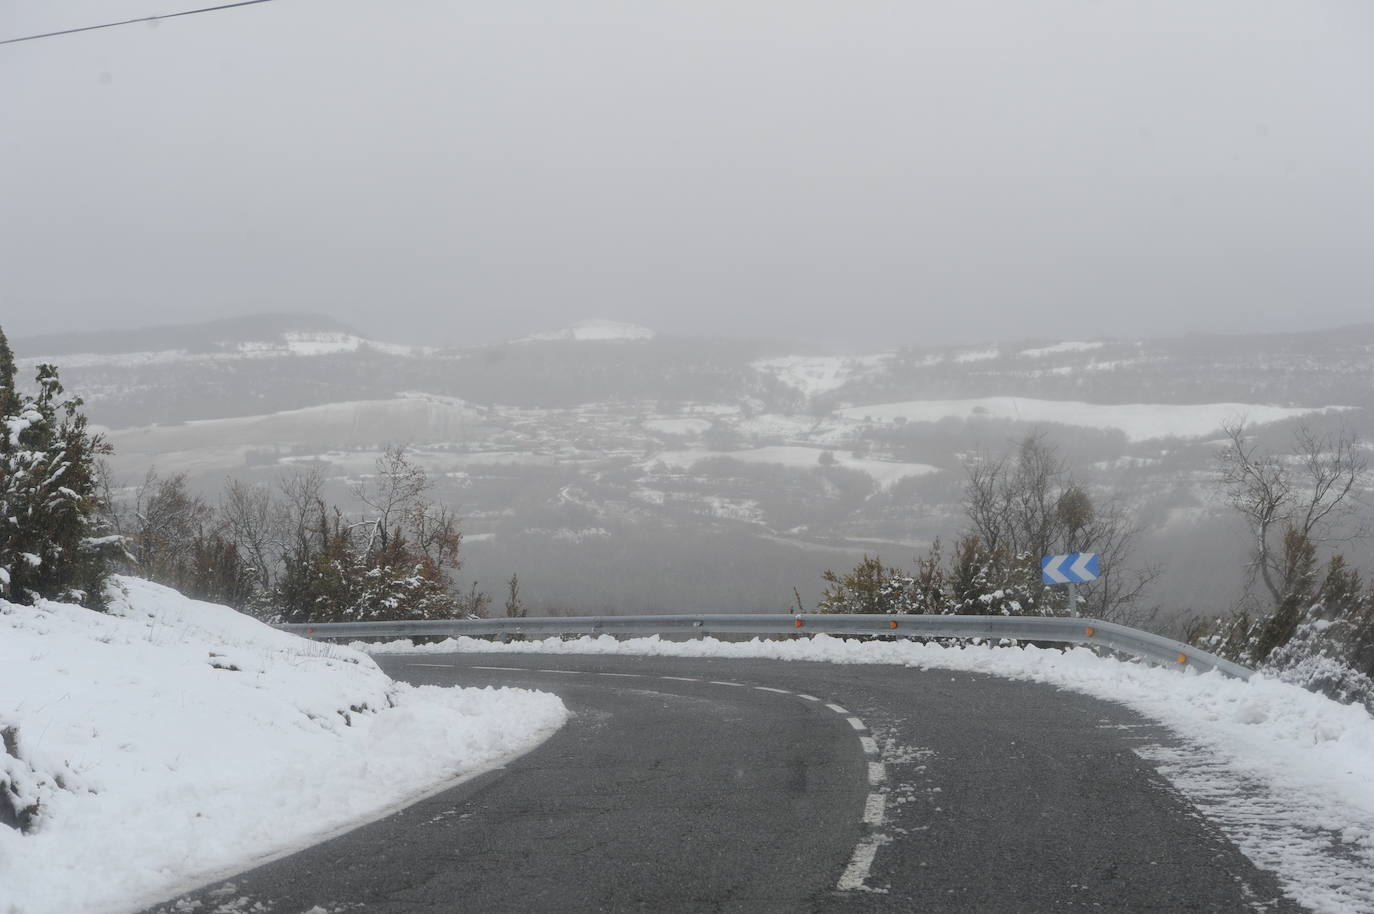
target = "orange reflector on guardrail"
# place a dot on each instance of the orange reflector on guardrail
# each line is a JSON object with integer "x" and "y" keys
{"x": 1091, "y": 631}
{"x": 798, "y": 623}
{"x": 1182, "y": 658}
{"x": 892, "y": 624}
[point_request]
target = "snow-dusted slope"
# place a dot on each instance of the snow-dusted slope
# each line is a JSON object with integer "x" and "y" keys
{"x": 170, "y": 740}
{"x": 816, "y": 375}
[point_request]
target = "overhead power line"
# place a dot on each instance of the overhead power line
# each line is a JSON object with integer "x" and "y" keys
{"x": 110, "y": 25}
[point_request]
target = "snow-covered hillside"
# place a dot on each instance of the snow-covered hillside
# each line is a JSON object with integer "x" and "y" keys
{"x": 155, "y": 747}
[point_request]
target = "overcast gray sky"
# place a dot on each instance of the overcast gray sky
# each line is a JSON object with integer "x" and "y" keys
{"x": 864, "y": 172}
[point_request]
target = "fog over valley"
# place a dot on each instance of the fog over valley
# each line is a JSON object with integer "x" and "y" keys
{"x": 618, "y": 470}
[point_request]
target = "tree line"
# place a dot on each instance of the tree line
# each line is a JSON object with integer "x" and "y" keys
{"x": 286, "y": 553}
{"x": 1305, "y": 616}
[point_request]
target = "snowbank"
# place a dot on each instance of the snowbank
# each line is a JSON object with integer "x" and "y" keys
{"x": 171, "y": 741}
{"x": 1287, "y": 774}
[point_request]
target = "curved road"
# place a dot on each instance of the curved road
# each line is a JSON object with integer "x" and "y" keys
{"x": 751, "y": 786}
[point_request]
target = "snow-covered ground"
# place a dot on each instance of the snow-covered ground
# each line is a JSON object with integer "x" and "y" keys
{"x": 1288, "y": 775}
{"x": 172, "y": 741}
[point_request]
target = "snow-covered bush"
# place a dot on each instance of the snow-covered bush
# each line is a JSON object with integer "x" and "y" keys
{"x": 1319, "y": 637}
{"x": 978, "y": 582}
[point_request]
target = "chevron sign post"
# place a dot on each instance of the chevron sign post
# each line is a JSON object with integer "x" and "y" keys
{"x": 1071, "y": 569}
{"x": 1074, "y": 568}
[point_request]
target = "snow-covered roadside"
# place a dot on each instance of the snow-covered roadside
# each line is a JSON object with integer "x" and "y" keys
{"x": 169, "y": 741}
{"x": 1287, "y": 774}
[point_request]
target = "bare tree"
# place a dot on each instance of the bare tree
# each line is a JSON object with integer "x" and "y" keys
{"x": 1026, "y": 503}
{"x": 514, "y": 608}
{"x": 1311, "y": 495}
{"x": 398, "y": 496}
{"x": 300, "y": 505}
{"x": 254, "y": 523}
{"x": 391, "y": 493}
{"x": 166, "y": 521}
{"x": 1012, "y": 500}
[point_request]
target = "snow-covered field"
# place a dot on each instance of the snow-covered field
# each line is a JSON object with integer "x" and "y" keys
{"x": 592, "y": 331}
{"x": 884, "y": 472}
{"x": 1285, "y": 773}
{"x": 1061, "y": 348}
{"x": 1139, "y": 421}
{"x": 171, "y": 741}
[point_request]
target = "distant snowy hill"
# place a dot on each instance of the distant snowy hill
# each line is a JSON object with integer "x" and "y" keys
{"x": 253, "y": 337}
{"x": 214, "y": 336}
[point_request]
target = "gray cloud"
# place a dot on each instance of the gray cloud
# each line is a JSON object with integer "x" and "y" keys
{"x": 866, "y": 172}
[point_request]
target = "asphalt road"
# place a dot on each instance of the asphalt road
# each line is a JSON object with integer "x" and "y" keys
{"x": 760, "y": 786}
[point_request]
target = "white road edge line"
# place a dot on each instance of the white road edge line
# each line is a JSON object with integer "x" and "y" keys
{"x": 680, "y": 678}
{"x": 444, "y": 666}
{"x": 860, "y": 864}
{"x": 837, "y": 709}
{"x": 718, "y": 682}
{"x": 874, "y": 809}
{"x": 856, "y": 723}
{"x": 877, "y": 773}
{"x": 805, "y": 697}
{"x": 771, "y": 689}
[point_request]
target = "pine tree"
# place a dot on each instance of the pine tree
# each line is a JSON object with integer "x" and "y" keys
{"x": 54, "y": 541}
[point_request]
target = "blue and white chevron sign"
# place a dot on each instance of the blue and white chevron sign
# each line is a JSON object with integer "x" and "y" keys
{"x": 1074, "y": 568}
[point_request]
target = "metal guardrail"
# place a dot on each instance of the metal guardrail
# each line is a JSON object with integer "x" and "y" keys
{"x": 1063, "y": 630}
